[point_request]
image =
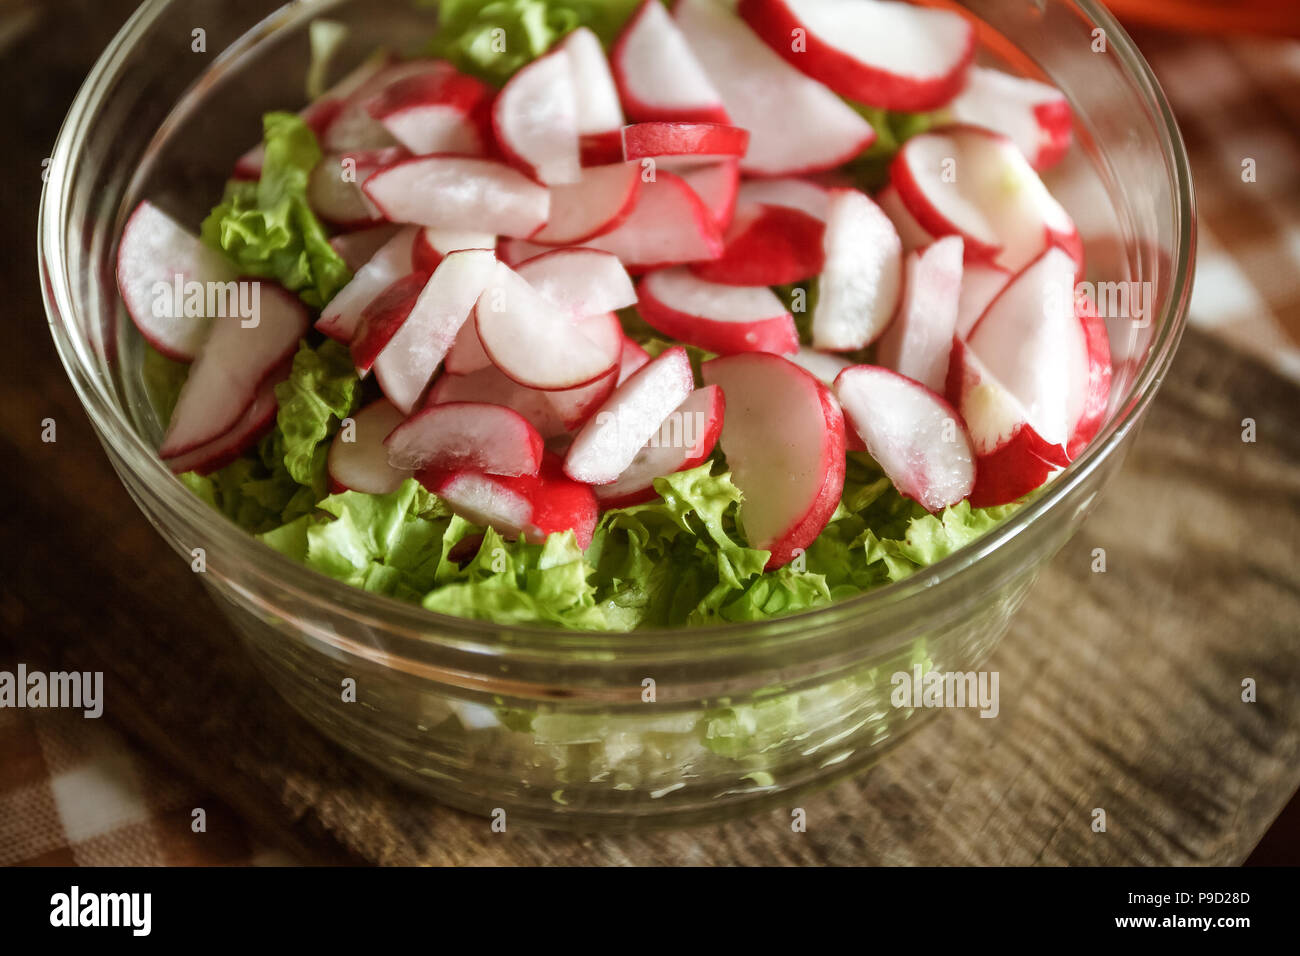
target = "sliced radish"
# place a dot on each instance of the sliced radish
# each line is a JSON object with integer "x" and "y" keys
{"x": 438, "y": 111}
{"x": 975, "y": 183}
{"x": 432, "y": 245}
{"x": 491, "y": 385}
{"x": 716, "y": 185}
{"x": 535, "y": 118}
{"x": 919, "y": 340}
{"x": 574, "y": 407}
{"x": 599, "y": 112}
{"x": 381, "y": 319}
{"x": 685, "y": 144}
{"x": 466, "y": 354}
{"x": 355, "y": 128}
{"x": 255, "y": 422}
{"x": 600, "y": 201}
{"x": 358, "y": 457}
{"x": 980, "y": 285}
{"x": 892, "y": 55}
{"x": 1034, "y": 115}
{"x": 909, "y": 230}
{"x": 1012, "y": 458}
{"x": 536, "y": 343}
{"x": 916, "y": 437}
{"x": 407, "y": 362}
{"x": 484, "y": 500}
{"x": 784, "y": 441}
{"x": 581, "y": 281}
{"x": 1032, "y": 341}
{"x": 232, "y": 363}
{"x": 822, "y": 366}
{"x": 334, "y": 186}
{"x": 767, "y": 245}
{"x": 156, "y": 249}
{"x": 1097, "y": 380}
{"x": 795, "y": 124}
{"x": 561, "y": 504}
{"x": 514, "y": 251}
{"x": 609, "y": 442}
{"x": 684, "y": 440}
{"x": 460, "y": 194}
{"x": 342, "y": 314}
{"x": 359, "y": 247}
{"x": 466, "y": 435}
{"x": 633, "y": 358}
{"x": 669, "y": 225}
{"x": 806, "y": 197}
{"x": 720, "y": 318}
{"x": 862, "y": 276}
{"x": 657, "y": 74}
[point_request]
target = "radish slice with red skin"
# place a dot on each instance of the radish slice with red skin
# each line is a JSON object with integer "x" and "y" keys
{"x": 916, "y": 437}
{"x": 492, "y": 386}
{"x": 784, "y": 440}
{"x": 382, "y": 318}
{"x": 720, "y": 318}
{"x": 716, "y": 185}
{"x": 358, "y": 248}
{"x": 909, "y": 230}
{"x": 409, "y": 359}
{"x": 354, "y": 128}
{"x": 458, "y": 436}
{"x": 515, "y": 251}
{"x": 808, "y": 198}
{"x": 342, "y": 314}
{"x": 767, "y": 245}
{"x": 658, "y": 76}
{"x": 232, "y": 363}
{"x": 598, "y": 109}
{"x": 484, "y": 500}
{"x": 582, "y": 281}
{"x": 980, "y": 285}
{"x": 255, "y": 422}
{"x": 432, "y": 245}
{"x": 684, "y": 440}
{"x": 1097, "y": 380}
{"x": 438, "y": 111}
{"x": 823, "y": 366}
{"x": 796, "y": 125}
{"x": 605, "y": 446}
{"x": 358, "y": 457}
{"x": 156, "y": 249}
{"x": 683, "y": 144}
{"x": 890, "y": 55}
{"x": 462, "y": 194}
{"x": 633, "y": 358}
{"x": 599, "y": 202}
{"x": 919, "y": 340}
{"x": 1034, "y": 115}
{"x": 466, "y": 354}
{"x": 861, "y": 280}
{"x": 668, "y": 226}
{"x": 535, "y": 118}
{"x": 334, "y": 186}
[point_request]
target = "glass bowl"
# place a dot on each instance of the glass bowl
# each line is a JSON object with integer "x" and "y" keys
{"x": 567, "y": 729}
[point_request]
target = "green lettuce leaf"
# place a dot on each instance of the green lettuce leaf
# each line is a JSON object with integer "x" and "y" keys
{"x": 322, "y": 389}
{"x": 871, "y": 168}
{"x": 268, "y": 228}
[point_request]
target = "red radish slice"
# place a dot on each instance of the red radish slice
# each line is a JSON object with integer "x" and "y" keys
{"x": 683, "y": 143}
{"x": 434, "y": 111}
{"x": 358, "y": 248}
{"x": 334, "y": 186}
{"x": 601, "y": 149}
{"x": 561, "y": 504}
{"x": 1097, "y": 381}
{"x": 535, "y": 118}
{"x": 1032, "y": 342}
{"x": 407, "y": 363}
{"x": 456, "y": 193}
{"x": 515, "y": 251}
{"x": 358, "y": 457}
{"x": 599, "y": 112}
{"x": 633, "y": 358}
{"x": 909, "y": 230}
{"x": 720, "y": 318}
{"x": 342, "y": 314}
{"x": 232, "y": 363}
{"x": 972, "y": 182}
{"x": 784, "y": 441}
{"x": 534, "y": 342}
{"x": 825, "y": 368}
{"x": 669, "y": 225}
{"x": 255, "y": 422}
{"x": 657, "y": 74}
{"x": 684, "y": 440}
{"x": 1012, "y": 459}
{"x": 1034, "y": 115}
{"x": 609, "y": 442}
{"x": 381, "y": 319}
{"x": 354, "y": 128}
{"x": 767, "y": 245}
{"x": 795, "y": 124}
{"x": 483, "y": 500}
{"x": 432, "y": 245}
{"x": 916, "y": 437}
{"x": 156, "y": 249}
{"x": 716, "y": 186}
{"x": 806, "y": 197}
{"x": 573, "y": 407}
{"x": 466, "y": 435}
{"x": 980, "y": 285}
{"x": 861, "y": 280}
{"x": 581, "y": 281}
{"x": 919, "y": 340}
{"x": 599, "y": 202}
{"x": 891, "y": 55}
{"x": 466, "y": 354}
{"x": 491, "y": 385}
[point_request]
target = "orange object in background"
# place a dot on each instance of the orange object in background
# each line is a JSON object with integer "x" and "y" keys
{"x": 1269, "y": 17}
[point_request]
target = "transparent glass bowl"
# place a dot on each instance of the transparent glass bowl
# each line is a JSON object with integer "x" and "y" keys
{"x": 552, "y": 726}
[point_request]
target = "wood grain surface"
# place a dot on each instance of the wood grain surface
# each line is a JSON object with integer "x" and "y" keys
{"x": 1120, "y": 690}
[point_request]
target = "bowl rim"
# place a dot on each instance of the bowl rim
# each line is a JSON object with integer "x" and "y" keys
{"x": 434, "y": 629}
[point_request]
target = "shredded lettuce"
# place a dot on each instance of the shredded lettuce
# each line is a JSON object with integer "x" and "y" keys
{"x": 268, "y": 228}
{"x": 321, "y": 391}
